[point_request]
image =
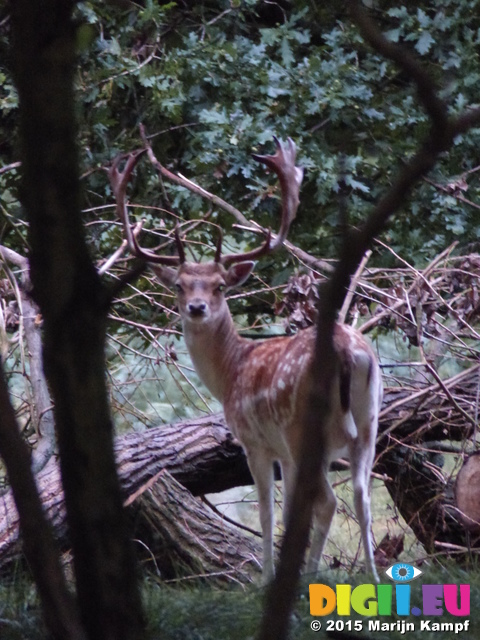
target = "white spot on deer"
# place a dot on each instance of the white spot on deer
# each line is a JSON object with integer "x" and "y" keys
{"x": 281, "y": 385}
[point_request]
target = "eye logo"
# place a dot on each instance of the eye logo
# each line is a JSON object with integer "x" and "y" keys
{"x": 402, "y": 572}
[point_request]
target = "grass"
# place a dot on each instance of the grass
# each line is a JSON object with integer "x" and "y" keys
{"x": 343, "y": 545}
{"x": 20, "y": 616}
{"x": 208, "y": 613}
{"x": 204, "y": 613}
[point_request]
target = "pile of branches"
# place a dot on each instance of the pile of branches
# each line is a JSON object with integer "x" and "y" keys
{"x": 430, "y": 411}
{"x": 425, "y": 323}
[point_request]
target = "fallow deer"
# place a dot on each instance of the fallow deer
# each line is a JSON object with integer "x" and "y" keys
{"x": 262, "y": 385}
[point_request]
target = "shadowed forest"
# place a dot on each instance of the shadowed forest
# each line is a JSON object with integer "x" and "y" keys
{"x": 128, "y": 509}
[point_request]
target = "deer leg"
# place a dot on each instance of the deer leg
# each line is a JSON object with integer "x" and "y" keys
{"x": 324, "y": 511}
{"x": 361, "y": 461}
{"x": 288, "y": 479}
{"x": 261, "y": 467}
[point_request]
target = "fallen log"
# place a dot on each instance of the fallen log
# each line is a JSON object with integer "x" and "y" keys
{"x": 200, "y": 454}
{"x": 467, "y": 494}
{"x": 181, "y": 538}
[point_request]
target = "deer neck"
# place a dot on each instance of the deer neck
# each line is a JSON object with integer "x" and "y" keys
{"x": 214, "y": 348}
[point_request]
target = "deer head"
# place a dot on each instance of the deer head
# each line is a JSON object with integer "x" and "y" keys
{"x": 201, "y": 287}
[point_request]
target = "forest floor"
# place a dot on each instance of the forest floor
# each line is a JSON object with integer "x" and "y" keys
{"x": 207, "y": 613}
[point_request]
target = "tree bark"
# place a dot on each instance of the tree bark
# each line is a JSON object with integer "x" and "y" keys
{"x": 200, "y": 454}
{"x": 41, "y": 404}
{"x": 183, "y": 538}
{"x": 467, "y": 494}
{"x": 74, "y": 305}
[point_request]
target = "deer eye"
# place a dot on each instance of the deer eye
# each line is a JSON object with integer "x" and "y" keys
{"x": 178, "y": 287}
{"x": 220, "y": 288}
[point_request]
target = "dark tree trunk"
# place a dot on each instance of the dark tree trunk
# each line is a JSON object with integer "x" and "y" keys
{"x": 74, "y": 306}
{"x": 39, "y": 547}
{"x": 439, "y": 139}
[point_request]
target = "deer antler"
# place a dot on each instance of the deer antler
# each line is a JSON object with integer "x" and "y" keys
{"x": 119, "y": 181}
{"x": 290, "y": 177}
{"x": 282, "y": 163}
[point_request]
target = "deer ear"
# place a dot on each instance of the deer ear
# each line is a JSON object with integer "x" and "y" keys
{"x": 166, "y": 275}
{"x": 238, "y": 273}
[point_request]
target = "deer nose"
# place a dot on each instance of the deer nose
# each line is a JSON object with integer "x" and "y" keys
{"x": 197, "y": 308}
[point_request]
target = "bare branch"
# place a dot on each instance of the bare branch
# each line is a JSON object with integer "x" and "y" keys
{"x": 353, "y": 285}
{"x": 188, "y": 184}
{"x": 10, "y": 167}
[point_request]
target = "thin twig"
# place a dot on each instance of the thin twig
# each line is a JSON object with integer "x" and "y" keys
{"x": 353, "y": 285}
{"x": 10, "y": 167}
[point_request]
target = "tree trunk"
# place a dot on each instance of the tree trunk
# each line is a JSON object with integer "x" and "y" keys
{"x": 201, "y": 454}
{"x": 39, "y": 546}
{"x": 467, "y": 494}
{"x": 422, "y": 496}
{"x": 414, "y": 479}
{"x": 74, "y": 304}
{"x": 41, "y": 408}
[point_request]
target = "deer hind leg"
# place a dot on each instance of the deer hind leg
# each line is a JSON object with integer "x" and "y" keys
{"x": 261, "y": 467}
{"x": 323, "y": 513}
{"x": 289, "y": 471}
{"x": 361, "y": 461}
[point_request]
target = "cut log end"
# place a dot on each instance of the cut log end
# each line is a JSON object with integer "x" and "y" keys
{"x": 467, "y": 493}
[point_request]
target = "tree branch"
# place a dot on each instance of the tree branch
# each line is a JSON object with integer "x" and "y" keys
{"x": 249, "y": 225}
{"x": 39, "y": 546}
{"x": 41, "y": 406}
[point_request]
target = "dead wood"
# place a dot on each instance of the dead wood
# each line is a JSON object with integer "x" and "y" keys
{"x": 467, "y": 494}
{"x": 183, "y": 538}
{"x": 199, "y": 454}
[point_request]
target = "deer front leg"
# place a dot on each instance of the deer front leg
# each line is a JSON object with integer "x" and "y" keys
{"x": 261, "y": 467}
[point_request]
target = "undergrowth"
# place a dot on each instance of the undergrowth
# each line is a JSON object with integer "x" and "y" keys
{"x": 202, "y": 612}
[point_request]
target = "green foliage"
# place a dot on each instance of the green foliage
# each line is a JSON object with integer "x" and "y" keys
{"x": 213, "y": 82}
{"x": 217, "y": 80}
